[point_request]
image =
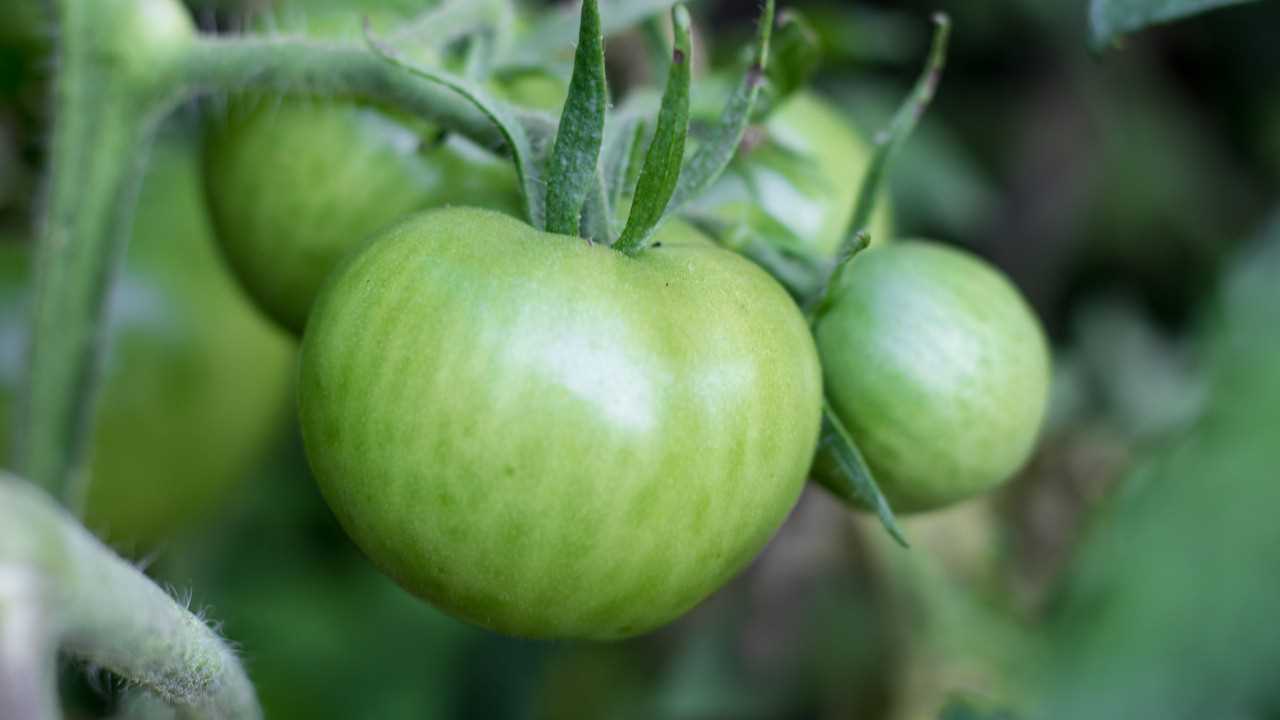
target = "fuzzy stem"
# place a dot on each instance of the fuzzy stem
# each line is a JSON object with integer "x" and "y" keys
{"x": 293, "y": 66}
{"x": 110, "y": 614}
{"x": 27, "y": 655}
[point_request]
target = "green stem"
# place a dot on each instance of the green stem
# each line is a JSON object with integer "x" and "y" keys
{"x": 292, "y": 66}
{"x": 106, "y": 612}
{"x": 99, "y": 138}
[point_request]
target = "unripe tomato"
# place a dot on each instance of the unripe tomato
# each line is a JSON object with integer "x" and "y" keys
{"x": 938, "y": 368}
{"x": 294, "y": 184}
{"x": 546, "y": 437}
{"x": 195, "y": 382}
{"x": 797, "y": 184}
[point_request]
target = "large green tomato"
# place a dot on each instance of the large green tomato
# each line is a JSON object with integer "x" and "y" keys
{"x": 296, "y": 183}
{"x": 938, "y": 368}
{"x": 195, "y": 383}
{"x": 548, "y": 438}
{"x": 797, "y": 184}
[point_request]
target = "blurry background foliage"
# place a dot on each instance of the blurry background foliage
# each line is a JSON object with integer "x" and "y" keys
{"x": 1129, "y": 572}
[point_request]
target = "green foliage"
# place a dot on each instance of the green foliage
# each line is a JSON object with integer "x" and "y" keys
{"x": 663, "y": 161}
{"x": 1168, "y": 613}
{"x": 1110, "y": 19}
{"x": 572, "y": 167}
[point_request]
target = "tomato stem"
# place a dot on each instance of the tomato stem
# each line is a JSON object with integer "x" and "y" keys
{"x": 890, "y": 140}
{"x": 107, "y": 97}
{"x": 75, "y": 594}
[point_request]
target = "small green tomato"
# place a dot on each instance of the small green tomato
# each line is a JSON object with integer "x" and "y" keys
{"x": 547, "y": 437}
{"x": 938, "y": 368}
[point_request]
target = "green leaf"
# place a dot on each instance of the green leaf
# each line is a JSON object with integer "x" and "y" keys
{"x": 662, "y": 163}
{"x": 572, "y": 168}
{"x": 890, "y": 140}
{"x": 859, "y": 483}
{"x": 1109, "y": 19}
{"x": 721, "y": 145}
{"x": 505, "y": 119}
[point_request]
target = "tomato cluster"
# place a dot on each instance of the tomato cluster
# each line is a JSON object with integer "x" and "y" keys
{"x": 540, "y": 434}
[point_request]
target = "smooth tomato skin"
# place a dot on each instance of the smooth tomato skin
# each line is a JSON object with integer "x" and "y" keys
{"x": 938, "y": 368}
{"x": 195, "y": 382}
{"x": 295, "y": 184}
{"x": 802, "y": 179}
{"x": 548, "y": 438}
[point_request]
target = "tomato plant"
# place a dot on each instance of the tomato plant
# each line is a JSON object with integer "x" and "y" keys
{"x": 937, "y": 367}
{"x": 195, "y": 381}
{"x": 548, "y": 437}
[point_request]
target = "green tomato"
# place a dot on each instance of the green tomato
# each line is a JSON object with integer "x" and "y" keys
{"x": 548, "y": 438}
{"x": 937, "y": 367}
{"x": 294, "y": 184}
{"x": 195, "y": 383}
{"x": 797, "y": 185}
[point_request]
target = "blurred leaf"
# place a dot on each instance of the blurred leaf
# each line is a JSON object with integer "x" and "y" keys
{"x": 796, "y": 55}
{"x": 1170, "y": 608}
{"x": 1146, "y": 379}
{"x": 1109, "y": 19}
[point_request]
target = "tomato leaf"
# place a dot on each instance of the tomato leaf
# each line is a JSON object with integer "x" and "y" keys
{"x": 859, "y": 483}
{"x": 1110, "y": 19}
{"x": 572, "y": 168}
{"x": 714, "y": 154}
{"x": 661, "y": 171}
{"x": 503, "y": 117}
{"x": 891, "y": 139}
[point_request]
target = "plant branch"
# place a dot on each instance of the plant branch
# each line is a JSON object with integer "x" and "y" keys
{"x": 105, "y": 103}
{"x": 293, "y": 66}
{"x": 104, "y": 611}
